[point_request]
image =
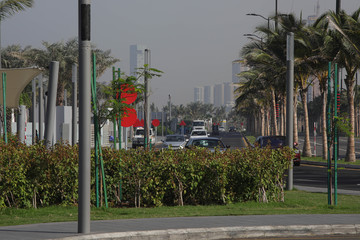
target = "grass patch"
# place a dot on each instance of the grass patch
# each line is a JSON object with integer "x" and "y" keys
{"x": 320, "y": 159}
{"x": 296, "y": 202}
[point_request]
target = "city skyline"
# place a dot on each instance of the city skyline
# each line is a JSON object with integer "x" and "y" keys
{"x": 193, "y": 42}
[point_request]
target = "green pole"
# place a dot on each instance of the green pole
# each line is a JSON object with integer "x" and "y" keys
{"x": 328, "y": 127}
{"x": 4, "y": 105}
{"x": 119, "y": 122}
{"x": 93, "y": 91}
{"x": 335, "y": 134}
{"x": 114, "y": 120}
{"x": 97, "y": 142}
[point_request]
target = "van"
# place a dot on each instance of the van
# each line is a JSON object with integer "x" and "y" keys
{"x": 198, "y": 125}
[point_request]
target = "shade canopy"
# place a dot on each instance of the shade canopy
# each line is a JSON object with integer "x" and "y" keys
{"x": 16, "y": 81}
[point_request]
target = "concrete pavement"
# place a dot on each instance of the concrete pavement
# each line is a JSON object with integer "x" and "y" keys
{"x": 218, "y": 227}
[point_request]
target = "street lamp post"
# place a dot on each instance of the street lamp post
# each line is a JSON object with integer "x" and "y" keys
{"x": 258, "y": 15}
{"x": 250, "y": 35}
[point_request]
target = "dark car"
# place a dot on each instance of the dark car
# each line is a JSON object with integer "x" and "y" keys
{"x": 277, "y": 142}
{"x": 232, "y": 129}
{"x": 207, "y": 142}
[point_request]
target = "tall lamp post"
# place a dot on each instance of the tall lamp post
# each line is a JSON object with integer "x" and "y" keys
{"x": 250, "y": 35}
{"x": 258, "y": 15}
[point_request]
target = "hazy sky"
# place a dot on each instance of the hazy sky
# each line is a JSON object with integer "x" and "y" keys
{"x": 192, "y": 41}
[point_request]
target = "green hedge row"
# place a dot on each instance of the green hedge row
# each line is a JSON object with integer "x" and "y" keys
{"x": 32, "y": 176}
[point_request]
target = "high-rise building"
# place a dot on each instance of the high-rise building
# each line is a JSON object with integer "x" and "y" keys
{"x": 229, "y": 93}
{"x": 238, "y": 66}
{"x": 137, "y": 57}
{"x": 219, "y": 95}
{"x": 199, "y": 94}
{"x": 209, "y": 94}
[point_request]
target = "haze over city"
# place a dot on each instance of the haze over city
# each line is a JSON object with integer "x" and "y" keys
{"x": 192, "y": 42}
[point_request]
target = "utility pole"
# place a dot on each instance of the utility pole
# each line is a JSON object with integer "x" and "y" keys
{"x": 84, "y": 116}
{"x": 74, "y": 105}
{"x": 276, "y": 14}
{"x": 146, "y": 104}
{"x": 338, "y": 6}
{"x": 289, "y": 102}
{"x": 51, "y": 105}
{"x": 170, "y": 112}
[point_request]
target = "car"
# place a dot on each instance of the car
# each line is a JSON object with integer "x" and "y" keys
{"x": 138, "y": 138}
{"x": 174, "y": 141}
{"x": 275, "y": 142}
{"x": 221, "y": 129}
{"x": 232, "y": 129}
{"x": 198, "y": 134}
{"x": 210, "y": 143}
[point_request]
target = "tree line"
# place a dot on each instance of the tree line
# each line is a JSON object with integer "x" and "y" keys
{"x": 333, "y": 37}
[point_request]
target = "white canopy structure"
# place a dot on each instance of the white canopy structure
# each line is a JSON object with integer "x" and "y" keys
{"x": 16, "y": 81}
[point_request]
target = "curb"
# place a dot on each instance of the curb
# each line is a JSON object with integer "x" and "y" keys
{"x": 228, "y": 233}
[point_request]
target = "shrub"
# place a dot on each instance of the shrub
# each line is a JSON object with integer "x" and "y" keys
{"x": 34, "y": 175}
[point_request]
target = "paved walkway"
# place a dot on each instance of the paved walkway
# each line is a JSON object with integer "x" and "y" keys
{"x": 229, "y": 227}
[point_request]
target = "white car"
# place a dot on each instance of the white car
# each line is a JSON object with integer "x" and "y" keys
{"x": 174, "y": 141}
{"x": 198, "y": 134}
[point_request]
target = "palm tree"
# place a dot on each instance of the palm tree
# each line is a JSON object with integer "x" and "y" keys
{"x": 343, "y": 45}
{"x": 67, "y": 54}
{"x": 318, "y": 33}
{"x": 254, "y": 98}
{"x": 9, "y": 8}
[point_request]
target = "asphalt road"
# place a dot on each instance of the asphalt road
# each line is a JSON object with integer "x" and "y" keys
{"x": 316, "y": 146}
{"x": 316, "y": 176}
{"x": 308, "y": 175}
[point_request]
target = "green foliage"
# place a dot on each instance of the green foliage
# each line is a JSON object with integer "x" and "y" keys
{"x": 32, "y": 176}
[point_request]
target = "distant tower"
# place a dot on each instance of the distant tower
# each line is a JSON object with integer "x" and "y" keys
{"x": 238, "y": 66}
{"x": 219, "y": 95}
{"x": 199, "y": 94}
{"x": 317, "y": 8}
{"x": 136, "y": 58}
{"x": 209, "y": 94}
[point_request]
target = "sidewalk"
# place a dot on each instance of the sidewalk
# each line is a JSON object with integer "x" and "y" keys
{"x": 221, "y": 227}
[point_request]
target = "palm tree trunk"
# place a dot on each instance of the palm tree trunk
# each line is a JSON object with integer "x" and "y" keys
{"x": 307, "y": 147}
{"x": 283, "y": 115}
{"x": 350, "y": 151}
{"x": 275, "y": 128}
{"x": 296, "y": 135}
{"x": 262, "y": 128}
{"x": 324, "y": 130}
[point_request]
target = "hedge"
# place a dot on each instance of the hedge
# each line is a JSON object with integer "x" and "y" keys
{"x": 32, "y": 176}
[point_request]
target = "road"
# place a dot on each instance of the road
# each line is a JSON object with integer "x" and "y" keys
{"x": 316, "y": 177}
{"x": 309, "y": 175}
{"x": 316, "y": 146}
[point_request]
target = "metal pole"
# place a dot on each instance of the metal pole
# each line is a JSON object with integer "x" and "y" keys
{"x": 21, "y": 124}
{"x": 146, "y": 120}
{"x": 328, "y": 127}
{"x": 51, "y": 105}
{"x": 338, "y": 6}
{"x": 34, "y": 137}
{"x": 276, "y": 14}
{"x": 84, "y": 116}
{"x": 74, "y": 108}
{"x": 290, "y": 102}
{"x": 335, "y": 133}
{"x": 119, "y": 120}
{"x": 170, "y": 112}
{"x": 4, "y": 105}
{"x": 114, "y": 120}
{"x": 162, "y": 123}
{"x": 41, "y": 108}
